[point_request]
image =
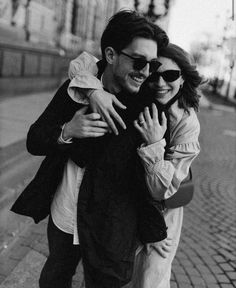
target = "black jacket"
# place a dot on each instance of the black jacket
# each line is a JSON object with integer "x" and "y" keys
{"x": 113, "y": 211}
{"x": 42, "y": 138}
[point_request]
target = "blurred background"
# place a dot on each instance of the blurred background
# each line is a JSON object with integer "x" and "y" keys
{"x": 38, "y": 38}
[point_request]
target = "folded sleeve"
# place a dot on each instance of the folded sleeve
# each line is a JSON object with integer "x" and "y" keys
{"x": 164, "y": 175}
{"x": 82, "y": 72}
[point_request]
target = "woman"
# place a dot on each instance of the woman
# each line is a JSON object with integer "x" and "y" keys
{"x": 167, "y": 159}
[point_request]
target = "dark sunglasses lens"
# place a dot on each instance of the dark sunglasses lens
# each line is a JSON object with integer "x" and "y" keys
{"x": 154, "y": 65}
{"x": 170, "y": 75}
{"x": 139, "y": 64}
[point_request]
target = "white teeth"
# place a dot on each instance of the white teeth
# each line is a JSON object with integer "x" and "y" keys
{"x": 137, "y": 79}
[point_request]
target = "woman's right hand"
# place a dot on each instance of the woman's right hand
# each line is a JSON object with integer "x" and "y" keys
{"x": 163, "y": 248}
{"x": 102, "y": 102}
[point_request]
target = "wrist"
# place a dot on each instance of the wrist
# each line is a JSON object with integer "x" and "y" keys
{"x": 152, "y": 141}
{"x": 90, "y": 92}
{"x": 66, "y": 132}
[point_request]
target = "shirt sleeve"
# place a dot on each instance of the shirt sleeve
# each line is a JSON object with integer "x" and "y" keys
{"x": 164, "y": 175}
{"x": 82, "y": 72}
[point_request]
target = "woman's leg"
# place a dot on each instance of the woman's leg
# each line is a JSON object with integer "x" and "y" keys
{"x": 62, "y": 260}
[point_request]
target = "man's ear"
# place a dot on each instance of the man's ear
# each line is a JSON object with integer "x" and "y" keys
{"x": 110, "y": 54}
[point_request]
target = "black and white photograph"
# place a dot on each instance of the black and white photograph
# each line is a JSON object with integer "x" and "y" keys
{"x": 117, "y": 144}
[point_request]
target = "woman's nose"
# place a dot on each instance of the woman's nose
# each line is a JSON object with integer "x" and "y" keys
{"x": 161, "y": 81}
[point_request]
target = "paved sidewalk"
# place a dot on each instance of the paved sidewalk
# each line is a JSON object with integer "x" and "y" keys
{"x": 206, "y": 255}
{"x": 17, "y": 114}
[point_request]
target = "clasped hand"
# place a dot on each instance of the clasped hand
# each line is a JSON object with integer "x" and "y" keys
{"x": 85, "y": 125}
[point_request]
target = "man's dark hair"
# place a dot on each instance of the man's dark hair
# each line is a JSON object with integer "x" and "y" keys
{"x": 126, "y": 25}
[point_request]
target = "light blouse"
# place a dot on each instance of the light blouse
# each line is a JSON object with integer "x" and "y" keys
{"x": 163, "y": 176}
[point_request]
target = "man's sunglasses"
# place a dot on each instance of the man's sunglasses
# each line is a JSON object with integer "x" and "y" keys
{"x": 139, "y": 63}
{"x": 168, "y": 76}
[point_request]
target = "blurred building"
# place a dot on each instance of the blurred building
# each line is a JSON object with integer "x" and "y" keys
{"x": 157, "y": 10}
{"x": 39, "y": 37}
{"x": 216, "y": 56}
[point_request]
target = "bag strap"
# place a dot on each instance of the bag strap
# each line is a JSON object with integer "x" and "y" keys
{"x": 183, "y": 196}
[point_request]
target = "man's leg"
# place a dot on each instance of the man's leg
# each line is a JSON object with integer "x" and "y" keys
{"x": 62, "y": 260}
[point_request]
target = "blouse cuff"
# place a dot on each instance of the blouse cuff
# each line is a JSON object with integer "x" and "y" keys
{"x": 61, "y": 140}
{"x": 153, "y": 153}
{"x": 84, "y": 81}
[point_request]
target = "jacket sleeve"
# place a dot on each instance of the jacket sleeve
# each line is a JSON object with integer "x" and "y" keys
{"x": 164, "y": 176}
{"x": 82, "y": 72}
{"x": 42, "y": 137}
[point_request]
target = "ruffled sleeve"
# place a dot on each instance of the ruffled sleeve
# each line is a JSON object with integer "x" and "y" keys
{"x": 82, "y": 72}
{"x": 163, "y": 176}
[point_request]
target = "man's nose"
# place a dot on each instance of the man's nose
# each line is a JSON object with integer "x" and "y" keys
{"x": 146, "y": 70}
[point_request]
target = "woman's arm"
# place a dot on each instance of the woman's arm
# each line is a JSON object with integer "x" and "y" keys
{"x": 86, "y": 88}
{"x": 164, "y": 176}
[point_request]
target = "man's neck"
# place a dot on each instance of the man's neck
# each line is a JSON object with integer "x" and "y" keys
{"x": 108, "y": 82}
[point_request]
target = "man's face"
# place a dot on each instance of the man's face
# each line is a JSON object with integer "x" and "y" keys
{"x": 125, "y": 75}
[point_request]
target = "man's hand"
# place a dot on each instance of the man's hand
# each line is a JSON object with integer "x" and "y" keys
{"x": 102, "y": 103}
{"x": 163, "y": 248}
{"x": 149, "y": 127}
{"x": 85, "y": 125}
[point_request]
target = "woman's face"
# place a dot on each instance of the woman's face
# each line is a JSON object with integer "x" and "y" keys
{"x": 164, "y": 89}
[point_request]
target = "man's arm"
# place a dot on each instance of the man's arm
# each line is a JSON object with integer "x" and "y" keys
{"x": 43, "y": 135}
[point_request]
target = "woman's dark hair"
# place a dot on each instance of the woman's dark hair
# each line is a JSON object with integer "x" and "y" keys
{"x": 189, "y": 92}
{"x": 126, "y": 25}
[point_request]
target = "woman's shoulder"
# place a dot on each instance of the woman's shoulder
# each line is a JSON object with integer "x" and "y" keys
{"x": 186, "y": 126}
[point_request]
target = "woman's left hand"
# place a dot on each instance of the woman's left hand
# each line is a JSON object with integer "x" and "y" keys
{"x": 149, "y": 127}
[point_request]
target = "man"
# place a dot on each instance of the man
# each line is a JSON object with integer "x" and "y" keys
{"x": 74, "y": 167}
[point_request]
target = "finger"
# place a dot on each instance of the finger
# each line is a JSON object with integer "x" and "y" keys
{"x": 82, "y": 111}
{"x": 111, "y": 123}
{"x": 118, "y": 103}
{"x": 154, "y": 112}
{"x": 141, "y": 118}
{"x": 147, "y": 115}
{"x": 94, "y": 134}
{"x": 166, "y": 248}
{"x": 164, "y": 119}
{"x": 137, "y": 126}
{"x": 117, "y": 117}
{"x": 168, "y": 241}
{"x": 93, "y": 116}
{"x": 96, "y": 130}
{"x": 160, "y": 251}
{"x": 97, "y": 123}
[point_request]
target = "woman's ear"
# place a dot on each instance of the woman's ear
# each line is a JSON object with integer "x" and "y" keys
{"x": 110, "y": 54}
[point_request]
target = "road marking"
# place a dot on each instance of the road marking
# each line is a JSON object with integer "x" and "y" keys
{"x": 230, "y": 133}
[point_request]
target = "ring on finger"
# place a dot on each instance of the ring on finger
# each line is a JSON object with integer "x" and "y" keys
{"x": 141, "y": 122}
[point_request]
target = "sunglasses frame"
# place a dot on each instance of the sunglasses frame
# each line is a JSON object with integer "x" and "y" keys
{"x": 137, "y": 66}
{"x": 156, "y": 75}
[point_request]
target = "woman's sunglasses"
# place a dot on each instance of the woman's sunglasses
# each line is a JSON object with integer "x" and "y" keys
{"x": 139, "y": 63}
{"x": 168, "y": 76}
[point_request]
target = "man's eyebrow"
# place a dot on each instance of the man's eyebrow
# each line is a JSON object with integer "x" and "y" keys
{"x": 141, "y": 56}
{"x": 138, "y": 55}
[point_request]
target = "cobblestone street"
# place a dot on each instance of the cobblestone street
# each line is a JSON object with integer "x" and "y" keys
{"x": 207, "y": 251}
{"x": 206, "y": 255}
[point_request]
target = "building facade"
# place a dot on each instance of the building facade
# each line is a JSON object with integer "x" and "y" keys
{"x": 39, "y": 37}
